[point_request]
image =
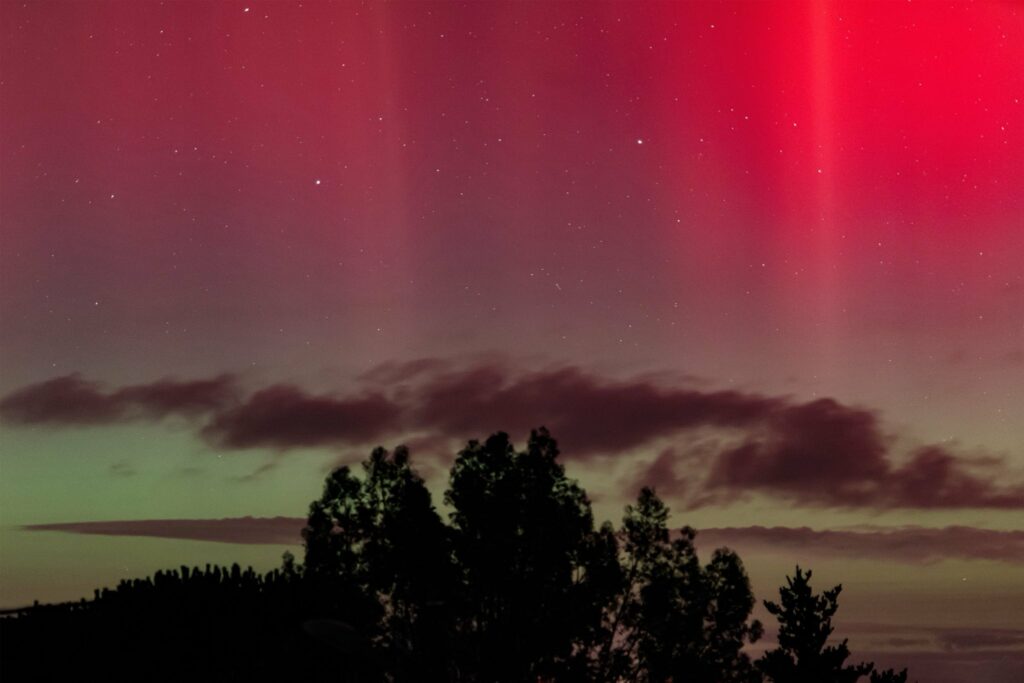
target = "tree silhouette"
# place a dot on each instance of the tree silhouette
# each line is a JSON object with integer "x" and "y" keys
{"x": 805, "y": 624}
{"x": 678, "y": 620}
{"x": 378, "y": 552}
{"x": 520, "y": 585}
{"x": 520, "y": 531}
{"x": 889, "y": 676}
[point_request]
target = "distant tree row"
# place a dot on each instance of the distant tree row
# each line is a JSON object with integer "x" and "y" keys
{"x": 517, "y": 585}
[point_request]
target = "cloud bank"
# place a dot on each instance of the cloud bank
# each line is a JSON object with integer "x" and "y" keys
{"x": 913, "y": 544}
{"x": 910, "y": 545}
{"x": 71, "y": 400}
{"x": 244, "y": 530}
{"x": 815, "y": 453}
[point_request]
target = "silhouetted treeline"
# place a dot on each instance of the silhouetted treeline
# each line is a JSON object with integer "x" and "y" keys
{"x": 215, "y": 622}
{"x": 517, "y": 585}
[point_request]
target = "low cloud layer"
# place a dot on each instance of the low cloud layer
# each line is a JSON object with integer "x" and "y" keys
{"x": 971, "y": 639}
{"x": 941, "y": 655}
{"x": 917, "y": 545}
{"x": 818, "y": 453}
{"x": 976, "y": 640}
{"x": 244, "y": 530}
{"x": 71, "y": 400}
{"x": 285, "y": 417}
{"x": 912, "y": 545}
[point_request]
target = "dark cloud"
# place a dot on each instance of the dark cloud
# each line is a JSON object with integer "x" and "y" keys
{"x": 829, "y": 454}
{"x": 935, "y": 478}
{"x": 66, "y": 400}
{"x": 391, "y": 372}
{"x": 968, "y": 639}
{"x": 166, "y": 397}
{"x": 72, "y": 400}
{"x": 247, "y": 530}
{"x": 663, "y": 474}
{"x": 928, "y": 666}
{"x": 820, "y": 452}
{"x": 941, "y": 655}
{"x": 122, "y": 469}
{"x": 898, "y": 642}
{"x": 715, "y": 446}
{"x": 258, "y": 473}
{"x": 807, "y": 448}
{"x": 934, "y": 654}
{"x": 899, "y": 544}
{"x": 919, "y": 545}
{"x": 965, "y": 640}
{"x": 589, "y": 415}
{"x": 284, "y": 416}
{"x": 944, "y": 639}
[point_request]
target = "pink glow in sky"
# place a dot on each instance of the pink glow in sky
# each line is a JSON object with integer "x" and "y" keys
{"x": 790, "y": 201}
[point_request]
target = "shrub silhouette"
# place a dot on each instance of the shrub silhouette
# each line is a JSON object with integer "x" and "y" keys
{"x": 517, "y": 584}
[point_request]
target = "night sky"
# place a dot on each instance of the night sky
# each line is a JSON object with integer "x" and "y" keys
{"x": 767, "y": 257}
